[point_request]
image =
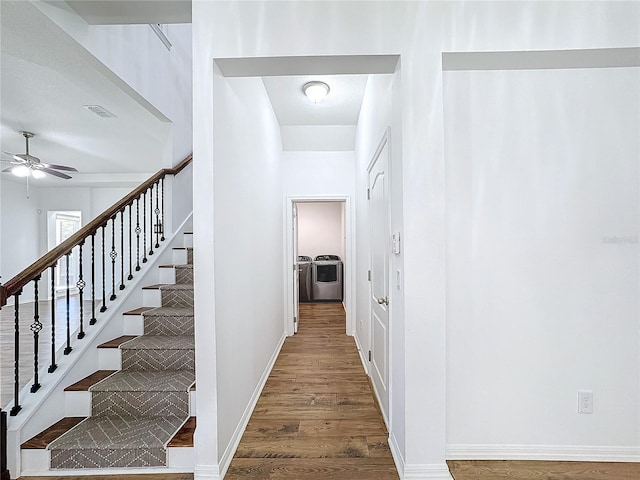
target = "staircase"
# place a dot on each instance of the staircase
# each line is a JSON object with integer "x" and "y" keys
{"x": 141, "y": 410}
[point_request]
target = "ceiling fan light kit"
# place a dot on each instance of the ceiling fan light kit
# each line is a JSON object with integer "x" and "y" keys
{"x": 26, "y": 165}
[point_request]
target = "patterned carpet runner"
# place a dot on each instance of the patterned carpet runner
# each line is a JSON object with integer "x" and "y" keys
{"x": 137, "y": 410}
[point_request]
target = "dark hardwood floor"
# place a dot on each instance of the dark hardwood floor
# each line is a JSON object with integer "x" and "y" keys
{"x": 316, "y": 418}
{"x": 539, "y": 470}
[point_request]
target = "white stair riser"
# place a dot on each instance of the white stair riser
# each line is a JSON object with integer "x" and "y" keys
{"x": 133, "y": 325}
{"x": 167, "y": 275}
{"x": 181, "y": 457}
{"x": 109, "y": 359}
{"x": 35, "y": 461}
{"x": 77, "y": 404}
{"x": 188, "y": 240}
{"x": 180, "y": 256}
{"x": 151, "y": 297}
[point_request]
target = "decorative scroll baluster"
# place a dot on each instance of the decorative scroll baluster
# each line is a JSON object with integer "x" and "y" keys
{"x": 68, "y": 349}
{"x": 93, "y": 279}
{"x": 81, "y": 284}
{"x": 138, "y": 230}
{"x": 130, "y": 277}
{"x": 36, "y": 326}
{"x": 103, "y": 308}
{"x": 157, "y": 212}
{"x": 113, "y": 254}
{"x": 16, "y": 357}
{"x": 144, "y": 227}
{"x": 151, "y": 220}
{"x": 162, "y": 208}
{"x": 53, "y": 365}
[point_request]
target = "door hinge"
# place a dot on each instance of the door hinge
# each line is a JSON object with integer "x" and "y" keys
{"x": 369, "y": 275}
{"x": 295, "y": 319}
{"x": 368, "y": 194}
{"x": 369, "y": 355}
{"x": 295, "y": 267}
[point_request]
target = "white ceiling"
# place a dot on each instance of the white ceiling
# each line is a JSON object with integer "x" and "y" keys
{"x": 340, "y": 107}
{"x": 119, "y": 12}
{"x": 47, "y": 78}
{"x": 304, "y": 126}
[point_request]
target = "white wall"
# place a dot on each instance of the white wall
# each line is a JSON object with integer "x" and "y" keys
{"x": 321, "y": 229}
{"x": 318, "y": 173}
{"x": 21, "y": 229}
{"x": 419, "y": 32}
{"x": 542, "y": 178}
{"x": 134, "y": 53}
{"x": 239, "y": 287}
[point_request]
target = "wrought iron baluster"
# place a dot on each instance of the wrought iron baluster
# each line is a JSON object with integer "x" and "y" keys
{"x": 81, "y": 284}
{"x": 113, "y": 254}
{"x": 103, "y": 308}
{"x": 68, "y": 348}
{"x": 16, "y": 357}
{"x": 36, "y": 326}
{"x": 138, "y": 230}
{"x": 53, "y": 365}
{"x": 121, "y": 249}
{"x": 93, "y": 279}
{"x": 151, "y": 220}
{"x": 130, "y": 277}
{"x": 162, "y": 208}
{"x": 157, "y": 212}
{"x": 144, "y": 227}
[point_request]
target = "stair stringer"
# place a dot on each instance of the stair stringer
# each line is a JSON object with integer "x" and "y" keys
{"x": 83, "y": 360}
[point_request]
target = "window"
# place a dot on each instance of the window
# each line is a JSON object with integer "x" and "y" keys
{"x": 62, "y": 225}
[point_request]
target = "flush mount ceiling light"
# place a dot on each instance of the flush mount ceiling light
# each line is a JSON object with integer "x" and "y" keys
{"x": 315, "y": 91}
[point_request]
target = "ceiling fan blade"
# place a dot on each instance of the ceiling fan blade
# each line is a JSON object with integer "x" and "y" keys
{"x": 57, "y": 174}
{"x": 7, "y": 170}
{"x": 13, "y": 157}
{"x": 60, "y": 167}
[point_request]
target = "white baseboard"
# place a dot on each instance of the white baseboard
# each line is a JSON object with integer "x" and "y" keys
{"x": 396, "y": 454}
{"x": 206, "y": 472}
{"x": 363, "y": 356}
{"x": 428, "y": 471}
{"x": 585, "y": 453}
{"x": 227, "y": 456}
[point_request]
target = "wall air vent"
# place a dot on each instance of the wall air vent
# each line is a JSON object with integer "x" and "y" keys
{"x": 100, "y": 111}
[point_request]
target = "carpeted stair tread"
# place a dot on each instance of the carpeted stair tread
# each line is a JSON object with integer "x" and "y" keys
{"x": 169, "y": 312}
{"x": 160, "y": 342}
{"x": 147, "y": 381}
{"x": 115, "y": 431}
{"x": 176, "y": 286}
{"x": 116, "y": 442}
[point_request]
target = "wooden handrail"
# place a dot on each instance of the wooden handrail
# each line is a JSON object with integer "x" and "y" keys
{"x": 50, "y": 258}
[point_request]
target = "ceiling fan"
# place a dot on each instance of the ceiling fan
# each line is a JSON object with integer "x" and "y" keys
{"x": 26, "y": 165}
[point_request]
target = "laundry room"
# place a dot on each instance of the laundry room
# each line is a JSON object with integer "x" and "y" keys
{"x": 321, "y": 250}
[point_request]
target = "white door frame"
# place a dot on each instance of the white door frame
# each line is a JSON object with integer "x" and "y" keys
{"x": 349, "y": 261}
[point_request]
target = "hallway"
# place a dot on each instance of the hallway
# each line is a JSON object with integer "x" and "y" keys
{"x": 316, "y": 417}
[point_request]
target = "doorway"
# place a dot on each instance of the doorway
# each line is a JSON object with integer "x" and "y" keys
{"x": 319, "y": 228}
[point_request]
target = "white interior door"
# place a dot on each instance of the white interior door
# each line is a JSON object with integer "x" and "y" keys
{"x": 296, "y": 270}
{"x": 380, "y": 245}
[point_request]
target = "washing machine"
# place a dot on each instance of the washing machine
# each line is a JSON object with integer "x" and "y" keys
{"x": 327, "y": 278}
{"x": 305, "y": 271}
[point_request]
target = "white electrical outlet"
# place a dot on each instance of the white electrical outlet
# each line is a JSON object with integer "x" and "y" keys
{"x": 585, "y": 401}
